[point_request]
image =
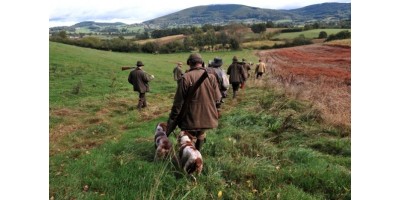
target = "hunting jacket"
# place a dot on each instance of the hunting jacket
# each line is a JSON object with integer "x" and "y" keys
{"x": 217, "y": 71}
{"x": 247, "y": 68}
{"x": 140, "y": 80}
{"x": 202, "y": 110}
{"x": 178, "y": 72}
{"x": 261, "y": 68}
{"x": 236, "y": 73}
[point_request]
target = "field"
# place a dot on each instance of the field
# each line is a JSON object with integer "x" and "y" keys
{"x": 259, "y": 44}
{"x": 269, "y": 144}
{"x": 317, "y": 73}
{"x": 163, "y": 40}
{"x": 307, "y": 34}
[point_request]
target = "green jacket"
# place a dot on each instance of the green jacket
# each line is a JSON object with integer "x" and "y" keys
{"x": 178, "y": 72}
{"x": 140, "y": 80}
{"x": 202, "y": 110}
{"x": 236, "y": 73}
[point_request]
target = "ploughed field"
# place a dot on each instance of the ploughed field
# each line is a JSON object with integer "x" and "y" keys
{"x": 319, "y": 73}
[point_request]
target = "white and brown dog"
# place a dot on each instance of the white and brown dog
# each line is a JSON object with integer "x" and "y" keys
{"x": 189, "y": 157}
{"x": 162, "y": 144}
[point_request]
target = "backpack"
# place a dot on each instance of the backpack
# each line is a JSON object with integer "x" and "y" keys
{"x": 224, "y": 79}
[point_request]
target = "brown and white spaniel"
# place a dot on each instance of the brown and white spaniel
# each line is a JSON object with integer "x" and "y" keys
{"x": 162, "y": 144}
{"x": 189, "y": 157}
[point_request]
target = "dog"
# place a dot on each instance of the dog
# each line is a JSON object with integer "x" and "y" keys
{"x": 162, "y": 144}
{"x": 190, "y": 158}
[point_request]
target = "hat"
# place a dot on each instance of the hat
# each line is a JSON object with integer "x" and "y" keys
{"x": 179, "y": 63}
{"x": 195, "y": 58}
{"x": 217, "y": 62}
{"x": 234, "y": 58}
{"x": 139, "y": 63}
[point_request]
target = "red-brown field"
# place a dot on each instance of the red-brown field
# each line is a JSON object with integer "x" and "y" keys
{"x": 317, "y": 73}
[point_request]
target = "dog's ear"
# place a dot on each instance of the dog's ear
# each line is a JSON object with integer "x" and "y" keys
{"x": 163, "y": 125}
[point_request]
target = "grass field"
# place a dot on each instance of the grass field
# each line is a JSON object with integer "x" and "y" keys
{"x": 259, "y": 44}
{"x": 267, "y": 146}
{"x": 342, "y": 43}
{"x": 308, "y": 34}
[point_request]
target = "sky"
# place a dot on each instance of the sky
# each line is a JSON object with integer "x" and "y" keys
{"x": 70, "y": 12}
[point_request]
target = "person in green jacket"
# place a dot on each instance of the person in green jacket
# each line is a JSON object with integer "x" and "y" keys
{"x": 140, "y": 81}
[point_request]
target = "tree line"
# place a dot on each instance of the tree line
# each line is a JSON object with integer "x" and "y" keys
{"x": 209, "y": 41}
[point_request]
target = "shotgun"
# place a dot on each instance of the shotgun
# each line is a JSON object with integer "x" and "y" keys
{"x": 126, "y": 68}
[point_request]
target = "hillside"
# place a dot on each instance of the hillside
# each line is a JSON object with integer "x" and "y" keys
{"x": 220, "y": 15}
{"x": 223, "y": 14}
{"x": 267, "y": 145}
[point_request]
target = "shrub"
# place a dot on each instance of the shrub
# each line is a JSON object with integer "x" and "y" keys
{"x": 322, "y": 34}
{"x": 338, "y": 36}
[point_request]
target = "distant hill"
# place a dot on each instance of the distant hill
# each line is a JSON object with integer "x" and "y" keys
{"x": 99, "y": 24}
{"x": 222, "y": 14}
{"x": 324, "y": 11}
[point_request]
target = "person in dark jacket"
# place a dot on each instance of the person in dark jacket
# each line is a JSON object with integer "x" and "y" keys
{"x": 201, "y": 113}
{"x": 178, "y": 72}
{"x": 216, "y": 66}
{"x": 237, "y": 75}
{"x": 140, "y": 81}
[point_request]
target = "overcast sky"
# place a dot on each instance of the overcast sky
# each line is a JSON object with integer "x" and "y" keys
{"x": 70, "y": 12}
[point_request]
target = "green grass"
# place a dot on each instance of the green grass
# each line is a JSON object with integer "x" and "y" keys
{"x": 267, "y": 146}
{"x": 308, "y": 34}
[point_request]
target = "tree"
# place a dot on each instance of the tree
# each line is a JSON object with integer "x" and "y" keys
{"x": 270, "y": 24}
{"x": 62, "y": 34}
{"x": 187, "y": 43}
{"x": 223, "y": 39}
{"x": 235, "y": 45}
{"x": 258, "y": 28}
{"x": 322, "y": 34}
{"x": 210, "y": 38}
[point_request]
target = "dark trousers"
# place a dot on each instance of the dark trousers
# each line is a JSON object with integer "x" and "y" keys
{"x": 142, "y": 101}
{"x": 259, "y": 74}
{"x": 200, "y": 138}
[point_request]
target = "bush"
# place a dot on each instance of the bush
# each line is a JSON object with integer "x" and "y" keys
{"x": 150, "y": 47}
{"x": 338, "y": 36}
{"x": 291, "y": 30}
{"x": 322, "y": 34}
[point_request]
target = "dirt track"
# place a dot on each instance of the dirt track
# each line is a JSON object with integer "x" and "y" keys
{"x": 311, "y": 61}
{"x": 317, "y": 73}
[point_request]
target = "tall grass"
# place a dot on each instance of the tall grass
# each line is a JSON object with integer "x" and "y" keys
{"x": 267, "y": 145}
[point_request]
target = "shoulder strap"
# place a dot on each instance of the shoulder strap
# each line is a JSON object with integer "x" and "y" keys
{"x": 196, "y": 85}
{"x": 185, "y": 105}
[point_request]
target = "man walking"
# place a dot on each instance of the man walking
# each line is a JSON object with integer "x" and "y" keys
{"x": 200, "y": 109}
{"x": 236, "y": 74}
{"x": 178, "y": 72}
{"x": 260, "y": 69}
{"x": 140, "y": 81}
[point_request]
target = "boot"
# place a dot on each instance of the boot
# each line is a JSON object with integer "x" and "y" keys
{"x": 140, "y": 105}
{"x": 234, "y": 94}
{"x": 199, "y": 144}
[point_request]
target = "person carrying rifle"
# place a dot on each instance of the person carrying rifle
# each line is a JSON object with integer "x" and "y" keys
{"x": 140, "y": 81}
{"x": 195, "y": 103}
